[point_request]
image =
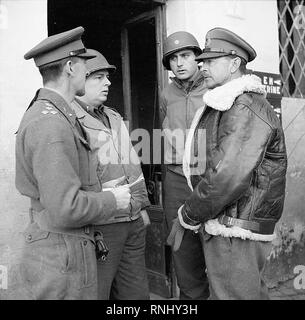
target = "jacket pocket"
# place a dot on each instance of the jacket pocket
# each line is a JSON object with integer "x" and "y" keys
{"x": 89, "y": 264}
{"x": 33, "y": 233}
{"x": 276, "y": 209}
{"x": 68, "y": 253}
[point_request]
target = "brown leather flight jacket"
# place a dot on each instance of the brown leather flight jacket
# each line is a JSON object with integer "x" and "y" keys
{"x": 246, "y": 164}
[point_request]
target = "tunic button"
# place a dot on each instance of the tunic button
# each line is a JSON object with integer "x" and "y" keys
{"x": 29, "y": 237}
{"x": 85, "y": 242}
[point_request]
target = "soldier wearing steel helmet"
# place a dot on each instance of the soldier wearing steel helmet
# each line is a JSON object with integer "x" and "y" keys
{"x": 179, "y": 102}
{"x": 54, "y": 170}
{"x": 122, "y": 274}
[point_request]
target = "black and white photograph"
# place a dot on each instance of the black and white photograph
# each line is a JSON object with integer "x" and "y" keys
{"x": 152, "y": 151}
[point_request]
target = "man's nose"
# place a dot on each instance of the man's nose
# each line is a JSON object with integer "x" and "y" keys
{"x": 108, "y": 83}
{"x": 204, "y": 66}
{"x": 179, "y": 61}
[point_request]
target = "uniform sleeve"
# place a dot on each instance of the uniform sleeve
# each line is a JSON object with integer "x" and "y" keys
{"x": 242, "y": 139}
{"x": 139, "y": 198}
{"x": 55, "y": 164}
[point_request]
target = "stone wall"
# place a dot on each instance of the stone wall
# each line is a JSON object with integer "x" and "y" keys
{"x": 288, "y": 250}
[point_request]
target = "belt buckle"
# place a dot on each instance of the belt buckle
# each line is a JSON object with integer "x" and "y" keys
{"x": 230, "y": 221}
{"x": 226, "y": 221}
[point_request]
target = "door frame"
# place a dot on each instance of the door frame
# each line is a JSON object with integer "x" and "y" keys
{"x": 159, "y": 15}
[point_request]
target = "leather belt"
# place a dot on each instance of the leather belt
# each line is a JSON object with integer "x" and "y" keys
{"x": 262, "y": 227}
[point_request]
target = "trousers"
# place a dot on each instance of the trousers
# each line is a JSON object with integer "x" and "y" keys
{"x": 123, "y": 275}
{"x": 235, "y": 267}
{"x": 189, "y": 261}
{"x": 53, "y": 266}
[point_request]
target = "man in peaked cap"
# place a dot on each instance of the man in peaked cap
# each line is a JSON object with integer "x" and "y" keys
{"x": 238, "y": 194}
{"x": 54, "y": 168}
{"x": 179, "y": 102}
{"x": 122, "y": 276}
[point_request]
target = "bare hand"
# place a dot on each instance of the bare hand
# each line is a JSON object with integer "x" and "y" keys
{"x": 122, "y": 196}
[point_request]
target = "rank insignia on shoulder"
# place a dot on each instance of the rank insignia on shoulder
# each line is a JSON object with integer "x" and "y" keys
{"x": 53, "y": 112}
{"x": 49, "y": 108}
{"x": 45, "y": 111}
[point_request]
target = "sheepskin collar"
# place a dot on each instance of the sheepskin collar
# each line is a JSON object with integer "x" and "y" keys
{"x": 222, "y": 98}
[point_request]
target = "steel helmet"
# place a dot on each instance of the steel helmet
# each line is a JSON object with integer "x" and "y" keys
{"x": 98, "y": 63}
{"x": 178, "y": 41}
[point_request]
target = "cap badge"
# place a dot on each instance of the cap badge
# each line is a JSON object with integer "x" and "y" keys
{"x": 177, "y": 41}
{"x": 208, "y": 42}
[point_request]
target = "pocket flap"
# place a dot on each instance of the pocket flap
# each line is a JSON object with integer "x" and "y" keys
{"x": 34, "y": 233}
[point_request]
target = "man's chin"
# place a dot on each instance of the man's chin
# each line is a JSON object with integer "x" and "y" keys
{"x": 80, "y": 93}
{"x": 183, "y": 77}
{"x": 103, "y": 98}
{"x": 210, "y": 84}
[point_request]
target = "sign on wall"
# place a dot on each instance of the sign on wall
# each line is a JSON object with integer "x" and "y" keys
{"x": 273, "y": 87}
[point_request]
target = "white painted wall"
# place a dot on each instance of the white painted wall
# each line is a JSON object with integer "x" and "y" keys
{"x": 254, "y": 20}
{"x": 23, "y": 23}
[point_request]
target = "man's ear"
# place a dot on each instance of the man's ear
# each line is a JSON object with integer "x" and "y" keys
{"x": 69, "y": 67}
{"x": 235, "y": 64}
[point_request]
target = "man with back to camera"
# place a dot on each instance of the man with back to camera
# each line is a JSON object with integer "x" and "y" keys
{"x": 54, "y": 169}
{"x": 179, "y": 102}
{"x": 239, "y": 195}
{"x": 122, "y": 275}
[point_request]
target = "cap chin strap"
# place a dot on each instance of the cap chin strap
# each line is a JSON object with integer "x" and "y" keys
{"x": 219, "y": 50}
{"x": 77, "y": 52}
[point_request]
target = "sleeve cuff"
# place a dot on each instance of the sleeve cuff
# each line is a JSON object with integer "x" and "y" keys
{"x": 108, "y": 205}
{"x": 145, "y": 205}
{"x": 186, "y": 222}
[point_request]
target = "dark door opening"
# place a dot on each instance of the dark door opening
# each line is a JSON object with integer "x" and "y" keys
{"x": 102, "y": 21}
{"x": 141, "y": 92}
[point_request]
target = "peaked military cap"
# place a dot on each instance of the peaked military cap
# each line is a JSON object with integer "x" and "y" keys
{"x": 59, "y": 46}
{"x": 222, "y": 42}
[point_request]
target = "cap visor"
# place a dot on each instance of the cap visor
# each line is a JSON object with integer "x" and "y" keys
{"x": 210, "y": 55}
{"x": 110, "y": 68}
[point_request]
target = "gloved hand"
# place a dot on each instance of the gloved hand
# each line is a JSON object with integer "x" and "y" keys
{"x": 176, "y": 235}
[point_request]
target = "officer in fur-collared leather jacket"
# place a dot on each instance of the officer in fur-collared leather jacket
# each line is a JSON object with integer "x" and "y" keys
{"x": 239, "y": 184}
{"x": 245, "y": 167}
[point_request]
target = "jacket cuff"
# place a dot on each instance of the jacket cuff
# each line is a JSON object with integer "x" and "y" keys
{"x": 146, "y": 204}
{"x": 108, "y": 205}
{"x": 187, "y": 222}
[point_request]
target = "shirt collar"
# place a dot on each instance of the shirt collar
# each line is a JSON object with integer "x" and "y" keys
{"x": 87, "y": 107}
{"x": 195, "y": 80}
